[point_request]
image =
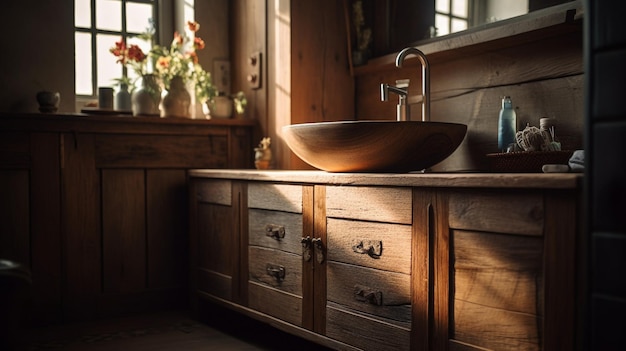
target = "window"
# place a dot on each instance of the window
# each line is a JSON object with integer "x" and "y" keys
{"x": 451, "y": 16}
{"x": 98, "y": 25}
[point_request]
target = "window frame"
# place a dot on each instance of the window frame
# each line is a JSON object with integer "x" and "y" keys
{"x": 93, "y": 31}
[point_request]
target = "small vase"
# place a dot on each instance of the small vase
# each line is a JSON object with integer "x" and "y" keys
{"x": 146, "y": 98}
{"x": 122, "y": 99}
{"x": 222, "y": 107}
{"x": 48, "y": 101}
{"x": 176, "y": 100}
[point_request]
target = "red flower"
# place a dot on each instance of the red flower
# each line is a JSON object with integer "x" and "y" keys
{"x": 135, "y": 53}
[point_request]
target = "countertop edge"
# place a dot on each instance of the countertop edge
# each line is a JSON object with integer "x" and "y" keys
{"x": 440, "y": 180}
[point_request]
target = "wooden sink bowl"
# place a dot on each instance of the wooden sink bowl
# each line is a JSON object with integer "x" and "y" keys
{"x": 374, "y": 146}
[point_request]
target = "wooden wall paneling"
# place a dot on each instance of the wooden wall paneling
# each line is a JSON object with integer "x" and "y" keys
{"x": 560, "y": 264}
{"x": 123, "y": 231}
{"x": 81, "y": 223}
{"x": 240, "y": 154}
{"x": 166, "y": 228}
{"x": 45, "y": 194}
{"x": 469, "y": 90}
{"x": 248, "y": 35}
{"x": 321, "y": 86}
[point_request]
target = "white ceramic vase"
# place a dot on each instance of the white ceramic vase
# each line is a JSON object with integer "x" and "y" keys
{"x": 146, "y": 98}
{"x": 176, "y": 100}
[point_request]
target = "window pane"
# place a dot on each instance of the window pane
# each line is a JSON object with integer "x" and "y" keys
{"x": 442, "y": 6}
{"x": 82, "y": 53}
{"x": 138, "y": 17}
{"x": 458, "y": 25}
{"x": 442, "y": 23}
{"x": 459, "y": 8}
{"x": 82, "y": 13}
{"x": 109, "y": 14}
{"x": 108, "y": 68}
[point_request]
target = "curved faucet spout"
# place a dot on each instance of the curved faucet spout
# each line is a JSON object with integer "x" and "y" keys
{"x": 425, "y": 77}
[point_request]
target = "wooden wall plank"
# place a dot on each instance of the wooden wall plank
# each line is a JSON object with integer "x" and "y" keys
{"x": 123, "y": 231}
{"x": 167, "y": 226}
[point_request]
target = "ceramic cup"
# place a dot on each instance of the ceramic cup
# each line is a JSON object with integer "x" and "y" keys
{"x": 48, "y": 101}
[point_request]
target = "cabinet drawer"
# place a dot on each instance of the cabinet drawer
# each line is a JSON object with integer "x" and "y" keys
{"x": 276, "y": 230}
{"x": 279, "y": 197}
{"x": 377, "y": 245}
{"x": 275, "y": 268}
{"x": 392, "y": 205}
{"x": 379, "y": 293}
{"x": 497, "y": 212}
{"x": 365, "y": 333}
{"x": 276, "y": 303}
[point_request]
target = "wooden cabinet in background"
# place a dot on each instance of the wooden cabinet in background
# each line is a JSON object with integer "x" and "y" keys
{"x": 96, "y": 207}
{"x": 400, "y": 262}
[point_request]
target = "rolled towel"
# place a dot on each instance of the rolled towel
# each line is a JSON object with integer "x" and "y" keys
{"x": 577, "y": 161}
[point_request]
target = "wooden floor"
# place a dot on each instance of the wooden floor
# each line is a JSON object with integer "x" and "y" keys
{"x": 164, "y": 331}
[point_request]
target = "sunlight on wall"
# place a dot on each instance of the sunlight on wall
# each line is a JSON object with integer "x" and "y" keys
{"x": 281, "y": 100}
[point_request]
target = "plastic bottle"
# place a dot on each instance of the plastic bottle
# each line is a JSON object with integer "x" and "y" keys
{"x": 507, "y": 125}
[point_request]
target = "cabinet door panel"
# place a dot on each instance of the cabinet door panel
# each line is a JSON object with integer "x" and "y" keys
{"x": 380, "y": 293}
{"x": 289, "y": 224}
{"x": 366, "y": 333}
{"x": 215, "y": 238}
{"x": 123, "y": 230}
{"x": 498, "y": 290}
{"x": 214, "y": 283}
{"x": 370, "y": 244}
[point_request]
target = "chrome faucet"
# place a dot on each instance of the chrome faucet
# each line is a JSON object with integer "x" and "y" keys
{"x": 425, "y": 78}
{"x": 402, "y": 89}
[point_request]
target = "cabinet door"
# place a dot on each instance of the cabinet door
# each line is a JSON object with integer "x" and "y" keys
{"x": 213, "y": 241}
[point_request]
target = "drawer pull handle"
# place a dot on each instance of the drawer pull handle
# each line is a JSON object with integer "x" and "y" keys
{"x": 275, "y": 231}
{"x": 372, "y": 248}
{"x": 276, "y": 271}
{"x": 306, "y": 248}
{"x": 369, "y": 295}
{"x": 319, "y": 250}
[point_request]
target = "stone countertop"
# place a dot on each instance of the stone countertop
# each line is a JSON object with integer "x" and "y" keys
{"x": 440, "y": 180}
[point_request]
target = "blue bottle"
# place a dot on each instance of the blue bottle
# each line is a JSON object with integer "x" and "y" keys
{"x": 507, "y": 125}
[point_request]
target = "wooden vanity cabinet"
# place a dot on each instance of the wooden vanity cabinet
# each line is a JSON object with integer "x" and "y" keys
{"x": 404, "y": 262}
{"x": 95, "y": 207}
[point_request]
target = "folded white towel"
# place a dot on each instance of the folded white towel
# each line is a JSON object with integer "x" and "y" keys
{"x": 577, "y": 161}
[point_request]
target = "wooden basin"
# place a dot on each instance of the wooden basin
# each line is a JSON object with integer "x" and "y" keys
{"x": 374, "y": 146}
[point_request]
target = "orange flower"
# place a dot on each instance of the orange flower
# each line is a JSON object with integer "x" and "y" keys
{"x": 198, "y": 43}
{"x": 193, "y": 26}
{"x": 193, "y": 56}
{"x": 163, "y": 62}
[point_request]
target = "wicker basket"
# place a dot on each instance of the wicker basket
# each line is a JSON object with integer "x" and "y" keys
{"x": 526, "y": 161}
